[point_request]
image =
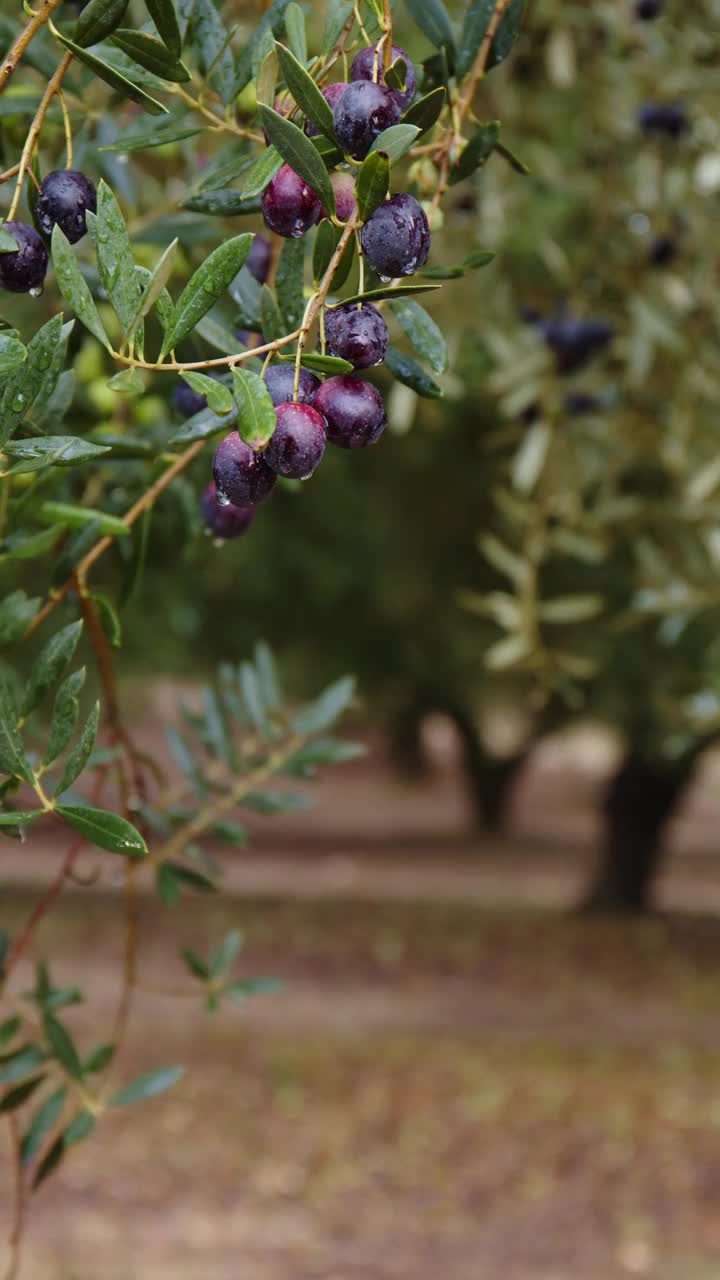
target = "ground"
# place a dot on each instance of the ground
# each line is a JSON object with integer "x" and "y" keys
{"x": 460, "y": 1078}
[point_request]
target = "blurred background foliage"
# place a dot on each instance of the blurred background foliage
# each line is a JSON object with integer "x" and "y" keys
{"x": 545, "y": 535}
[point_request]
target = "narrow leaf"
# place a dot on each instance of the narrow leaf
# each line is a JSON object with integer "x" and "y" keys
{"x": 114, "y": 78}
{"x": 372, "y": 184}
{"x": 298, "y": 151}
{"x": 305, "y": 92}
{"x": 98, "y": 20}
{"x": 151, "y": 54}
{"x": 106, "y": 830}
{"x": 147, "y": 1086}
{"x": 256, "y": 411}
{"x": 79, "y": 757}
{"x": 204, "y": 288}
{"x": 73, "y": 287}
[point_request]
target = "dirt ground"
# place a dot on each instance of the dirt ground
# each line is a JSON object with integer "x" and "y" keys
{"x": 460, "y": 1078}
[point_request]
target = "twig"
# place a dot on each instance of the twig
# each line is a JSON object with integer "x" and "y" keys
{"x": 53, "y": 87}
{"x": 463, "y": 104}
{"x": 135, "y": 511}
{"x": 16, "y": 1231}
{"x": 37, "y": 21}
{"x": 150, "y": 496}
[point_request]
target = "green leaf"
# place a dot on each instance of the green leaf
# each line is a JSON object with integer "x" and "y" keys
{"x": 174, "y": 875}
{"x": 326, "y": 242}
{"x": 50, "y": 664}
{"x": 218, "y": 396}
{"x": 225, "y": 954}
{"x": 99, "y": 1059}
{"x": 104, "y": 829}
{"x": 246, "y": 987}
{"x": 156, "y": 134}
{"x": 29, "y": 380}
{"x": 305, "y": 92}
{"x": 324, "y": 751}
{"x": 514, "y": 161}
{"x": 197, "y": 967}
{"x": 156, "y": 283}
{"x": 432, "y": 18}
{"x": 12, "y": 750}
{"x": 372, "y": 184}
{"x": 476, "y": 153}
{"x": 114, "y": 256}
{"x": 269, "y": 803}
{"x": 321, "y": 364}
{"x": 80, "y": 1127}
{"x": 62, "y": 1046}
{"x": 479, "y": 258}
{"x": 98, "y": 19}
{"x": 223, "y": 204}
{"x": 73, "y": 287}
{"x": 326, "y": 709}
{"x": 256, "y": 411}
{"x": 66, "y": 711}
{"x": 290, "y": 283}
{"x": 298, "y": 151}
{"x": 378, "y": 295}
{"x": 201, "y": 426}
{"x": 407, "y": 370}
{"x": 396, "y": 141}
{"x": 262, "y": 172}
{"x": 64, "y": 513}
{"x": 271, "y": 321}
{"x": 296, "y": 32}
{"x": 51, "y": 451}
{"x": 18, "y": 817}
{"x": 12, "y": 353}
{"x": 426, "y": 111}
{"x": 250, "y": 58}
{"x": 42, "y": 1123}
{"x": 20, "y": 1064}
{"x": 338, "y": 15}
{"x": 79, "y": 757}
{"x": 114, "y": 78}
{"x": 21, "y": 546}
{"x": 147, "y": 1086}
{"x": 204, "y": 288}
{"x": 211, "y": 39}
{"x": 17, "y": 611}
{"x": 150, "y": 53}
{"x": 8, "y": 243}
{"x": 16, "y": 1097}
{"x": 266, "y": 81}
{"x": 109, "y": 620}
{"x": 129, "y": 382}
{"x": 421, "y": 329}
{"x": 164, "y": 16}
{"x": 477, "y": 20}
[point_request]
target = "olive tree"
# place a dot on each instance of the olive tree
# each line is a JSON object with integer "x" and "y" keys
{"x": 603, "y": 542}
{"x": 133, "y": 137}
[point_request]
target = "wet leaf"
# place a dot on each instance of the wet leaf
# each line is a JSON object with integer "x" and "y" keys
{"x": 104, "y": 829}
{"x": 256, "y": 411}
{"x": 298, "y": 151}
{"x": 205, "y": 287}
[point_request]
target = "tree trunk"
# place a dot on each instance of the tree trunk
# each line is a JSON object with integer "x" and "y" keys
{"x": 490, "y": 778}
{"x": 641, "y": 798}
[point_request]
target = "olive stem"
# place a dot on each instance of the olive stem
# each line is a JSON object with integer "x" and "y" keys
{"x": 53, "y": 87}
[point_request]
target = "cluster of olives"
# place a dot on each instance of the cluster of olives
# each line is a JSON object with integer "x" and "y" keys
{"x": 344, "y": 410}
{"x": 64, "y": 199}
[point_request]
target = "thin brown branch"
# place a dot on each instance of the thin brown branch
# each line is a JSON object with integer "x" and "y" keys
{"x": 134, "y": 512}
{"x": 53, "y": 86}
{"x": 18, "y": 1219}
{"x": 28, "y": 33}
{"x": 444, "y": 154}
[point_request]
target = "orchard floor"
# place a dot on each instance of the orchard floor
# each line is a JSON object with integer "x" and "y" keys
{"x": 460, "y": 1079}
